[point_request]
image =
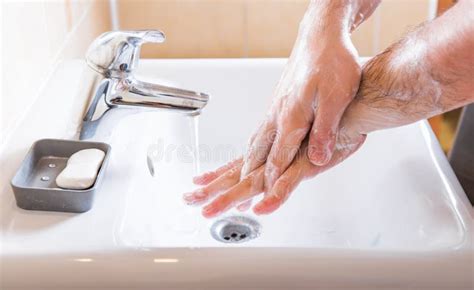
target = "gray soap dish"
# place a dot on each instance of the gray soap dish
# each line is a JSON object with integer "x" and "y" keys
{"x": 34, "y": 184}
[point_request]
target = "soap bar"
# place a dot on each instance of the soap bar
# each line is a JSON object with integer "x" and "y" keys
{"x": 81, "y": 169}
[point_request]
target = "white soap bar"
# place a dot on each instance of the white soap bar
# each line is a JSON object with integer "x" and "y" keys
{"x": 81, "y": 169}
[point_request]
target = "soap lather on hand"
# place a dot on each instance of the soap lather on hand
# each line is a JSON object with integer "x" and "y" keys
{"x": 81, "y": 169}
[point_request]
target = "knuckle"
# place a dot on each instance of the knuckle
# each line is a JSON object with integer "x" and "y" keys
{"x": 203, "y": 192}
{"x": 272, "y": 135}
{"x": 226, "y": 199}
{"x": 320, "y": 136}
{"x": 251, "y": 183}
{"x": 285, "y": 155}
{"x": 272, "y": 170}
{"x": 274, "y": 160}
{"x": 248, "y": 179}
{"x": 231, "y": 172}
{"x": 298, "y": 133}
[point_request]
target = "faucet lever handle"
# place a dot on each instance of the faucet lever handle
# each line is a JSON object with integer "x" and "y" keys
{"x": 116, "y": 53}
{"x": 154, "y": 36}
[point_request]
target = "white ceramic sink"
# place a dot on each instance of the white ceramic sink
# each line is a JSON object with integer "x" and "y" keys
{"x": 391, "y": 216}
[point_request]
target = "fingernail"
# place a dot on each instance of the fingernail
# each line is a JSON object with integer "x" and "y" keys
{"x": 189, "y": 198}
{"x": 244, "y": 206}
{"x": 319, "y": 156}
{"x": 194, "y": 196}
{"x": 268, "y": 205}
{"x": 201, "y": 178}
{"x": 261, "y": 206}
{"x": 209, "y": 211}
{"x": 197, "y": 179}
{"x": 259, "y": 209}
{"x": 188, "y": 195}
{"x": 199, "y": 193}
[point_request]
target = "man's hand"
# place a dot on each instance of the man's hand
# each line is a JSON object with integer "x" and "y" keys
{"x": 319, "y": 81}
{"x": 229, "y": 190}
{"x": 428, "y": 72}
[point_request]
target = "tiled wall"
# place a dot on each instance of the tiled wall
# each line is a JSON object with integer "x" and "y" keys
{"x": 36, "y": 37}
{"x": 254, "y": 28}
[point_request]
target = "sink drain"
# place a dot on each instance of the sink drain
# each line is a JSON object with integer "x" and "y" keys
{"x": 235, "y": 229}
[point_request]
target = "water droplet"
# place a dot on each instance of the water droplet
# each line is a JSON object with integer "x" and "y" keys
{"x": 45, "y": 178}
{"x": 51, "y": 165}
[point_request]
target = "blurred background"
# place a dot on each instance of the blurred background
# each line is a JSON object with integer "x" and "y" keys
{"x": 38, "y": 35}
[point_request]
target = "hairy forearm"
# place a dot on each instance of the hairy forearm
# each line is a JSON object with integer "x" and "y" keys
{"x": 428, "y": 72}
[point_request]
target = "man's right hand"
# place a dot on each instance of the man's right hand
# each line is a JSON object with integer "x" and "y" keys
{"x": 319, "y": 81}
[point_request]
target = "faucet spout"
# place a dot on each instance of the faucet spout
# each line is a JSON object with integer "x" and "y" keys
{"x": 115, "y": 56}
{"x": 133, "y": 92}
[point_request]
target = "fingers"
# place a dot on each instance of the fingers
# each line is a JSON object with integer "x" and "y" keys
{"x": 284, "y": 150}
{"x": 322, "y": 139}
{"x": 248, "y": 187}
{"x": 239, "y": 192}
{"x": 302, "y": 168}
{"x": 225, "y": 181}
{"x": 282, "y": 189}
{"x": 245, "y": 205}
{"x": 207, "y": 177}
{"x": 259, "y": 147}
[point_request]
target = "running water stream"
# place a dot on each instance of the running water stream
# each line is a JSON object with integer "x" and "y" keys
{"x": 194, "y": 124}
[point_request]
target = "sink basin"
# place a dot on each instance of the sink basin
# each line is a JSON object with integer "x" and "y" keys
{"x": 392, "y": 216}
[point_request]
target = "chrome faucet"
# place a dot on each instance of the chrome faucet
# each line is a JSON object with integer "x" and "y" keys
{"x": 115, "y": 56}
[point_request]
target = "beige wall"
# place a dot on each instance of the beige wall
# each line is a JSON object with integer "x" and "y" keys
{"x": 36, "y": 37}
{"x": 253, "y": 28}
